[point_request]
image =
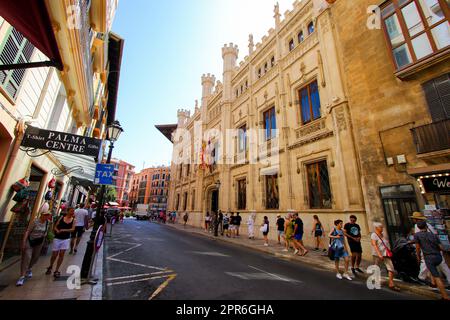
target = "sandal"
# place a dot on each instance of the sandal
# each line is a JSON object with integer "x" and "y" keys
{"x": 57, "y": 274}
{"x": 304, "y": 254}
{"x": 49, "y": 271}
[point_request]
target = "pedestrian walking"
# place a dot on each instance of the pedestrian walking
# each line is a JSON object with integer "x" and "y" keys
{"x": 238, "y": 221}
{"x": 251, "y": 225}
{"x": 232, "y": 225}
{"x": 280, "y": 229}
{"x": 429, "y": 246}
{"x": 226, "y": 225}
{"x": 221, "y": 222}
{"x": 265, "y": 230}
{"x": 82, "y": 217}
{"x": 289, "y": 231}
{"x": 340, "y": 249}
{"x": 352, "y": 231}
{"x": 32, "y": 244}
{"x": 424, "y": 273}
{"x": 382, "y": 253}
{"x": 185, "y": 218}
{"x": 62, "y": 229}
{"x": 318, "y": 231}
{"x": 298, "y": 236}
{"x": 207, "y": 221}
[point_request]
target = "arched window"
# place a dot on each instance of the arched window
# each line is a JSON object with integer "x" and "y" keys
{"x": 272, "y": 61}
{"x": 259, "y": 73}
{"x": 291, "y": 45}
{"x": 310, "y": 27}
{"x": 301, "y": 37}
{"x": 265, "y": 67}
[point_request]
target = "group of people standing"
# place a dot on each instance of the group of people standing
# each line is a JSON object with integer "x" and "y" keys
{"x": 68, "y": 230}
{"x": 226, "y": 224}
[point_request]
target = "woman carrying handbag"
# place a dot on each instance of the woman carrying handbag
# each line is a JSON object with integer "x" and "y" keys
{"x": 265, "y": 231}
{"x": 382, "y": 253}
{"x": 32, "y": 244}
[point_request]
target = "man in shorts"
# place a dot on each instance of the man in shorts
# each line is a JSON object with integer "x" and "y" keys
{"x": 298, "y": 235}
{"x": 352, "y": 231}
{"x": 82, "y": 222}
{"x": 280, "y": 228}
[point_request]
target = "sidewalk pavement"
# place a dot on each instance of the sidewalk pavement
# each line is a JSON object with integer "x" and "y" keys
{"x": 317, "y": 259}
{"x": 44, "y": 287}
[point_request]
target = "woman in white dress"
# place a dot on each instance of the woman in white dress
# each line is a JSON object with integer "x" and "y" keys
{"x": 251, "y": 225}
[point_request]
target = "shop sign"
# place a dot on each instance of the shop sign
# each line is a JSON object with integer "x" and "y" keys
{"x": 436, "y": 184}
{"x": 61, "y": 141}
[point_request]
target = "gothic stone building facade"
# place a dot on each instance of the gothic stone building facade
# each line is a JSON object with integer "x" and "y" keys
{"x": 292, "y": 82}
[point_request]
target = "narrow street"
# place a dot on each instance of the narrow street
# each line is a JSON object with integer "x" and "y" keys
{"x": 146, "y": 260}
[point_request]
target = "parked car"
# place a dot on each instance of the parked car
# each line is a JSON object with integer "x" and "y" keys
{"x": 142, "y": 212}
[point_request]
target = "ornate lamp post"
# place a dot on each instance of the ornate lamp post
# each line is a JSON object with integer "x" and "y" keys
{"x": 114, "y": 131}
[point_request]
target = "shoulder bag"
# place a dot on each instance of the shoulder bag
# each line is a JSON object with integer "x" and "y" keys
{"x": 389, "y": 253}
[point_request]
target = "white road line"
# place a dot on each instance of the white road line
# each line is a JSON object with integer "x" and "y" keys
{"x": 271, "y": 274}
{"x": 129, "y": 249}
{"x": 138, "y": 275}
{"x": 137, "y": 264}
{"x": 134, "y": 281}
{"x": 213, "y": 254}
{"x": 162, "y": 287}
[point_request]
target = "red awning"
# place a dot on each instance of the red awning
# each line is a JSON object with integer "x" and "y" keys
{"x": 31, "y": 19}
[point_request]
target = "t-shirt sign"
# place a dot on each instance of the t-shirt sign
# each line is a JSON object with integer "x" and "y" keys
{"x": 60, "y": 141}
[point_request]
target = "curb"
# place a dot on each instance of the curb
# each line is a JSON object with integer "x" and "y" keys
{"x": 408, "y": 288}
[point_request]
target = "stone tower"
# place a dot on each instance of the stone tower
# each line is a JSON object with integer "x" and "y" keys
{"x": 183, "y": 117}
{"x": 230, "y": 55}
{"x": 208, "y": 81}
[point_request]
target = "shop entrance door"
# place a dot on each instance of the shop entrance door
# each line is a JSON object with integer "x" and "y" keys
{"x": 399, "y": 203}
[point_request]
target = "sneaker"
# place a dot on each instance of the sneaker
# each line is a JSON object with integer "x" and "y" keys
{"x": 29, "y": 274}
{"x": 20, "y": 282}
{"x": 285, "y": 250}
{"x": 346, "y": 276}
{"x": 266, "y": 244}
{"x": 339, "y": 276}
{"x": 359, "y": 270}
{"x": 354, "y": 271}
{"x": 296, "y": 251}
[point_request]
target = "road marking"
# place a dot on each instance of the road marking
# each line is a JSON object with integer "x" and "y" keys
{"x": 155, "y": 239}
{"x": 259, "y": 276}
{"x": 162, "y": 287}
{"x": 134, "y": 281}
{"x": 213, "y": 254}
{"x": 271, "y": 274}
{"x": 129, "y": 249}
{"x": 137, "y": 264}
{"x": 138, "y": 275}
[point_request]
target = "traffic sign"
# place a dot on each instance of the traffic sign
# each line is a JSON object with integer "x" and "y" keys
{"x": 104, "y": 174}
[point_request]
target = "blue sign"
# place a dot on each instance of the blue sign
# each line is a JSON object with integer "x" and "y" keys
{"x": 104, "y": 174}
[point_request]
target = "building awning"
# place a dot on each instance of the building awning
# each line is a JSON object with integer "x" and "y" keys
{"x": 115, "y": 52}
{"x": 78, "y": 166}
{"x": 32, "y": 20}
{"x": 167, "y": 130}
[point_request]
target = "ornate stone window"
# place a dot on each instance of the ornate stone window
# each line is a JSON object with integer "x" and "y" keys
{"x": 416, "y": 30}
{"x": 272, "y": 192}
{"x": 242, "y": 139}
{"x": 309, "y": 102}
{"x": 319, "y": 185}
{"x": 272, "y": 61}
{"x": 311, "y": 27}
{"x": 301, "y": 37}
{"x": 270, "y": 123}
{"x": 242, "y": 194}
{"x": 291, "y": 45}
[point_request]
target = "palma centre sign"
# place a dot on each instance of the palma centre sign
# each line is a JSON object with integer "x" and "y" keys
{"x": 61, "y": 141}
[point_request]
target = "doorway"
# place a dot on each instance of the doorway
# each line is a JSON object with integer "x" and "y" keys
{"x": 399, "y": 203}
{"x": 215, "y": 201}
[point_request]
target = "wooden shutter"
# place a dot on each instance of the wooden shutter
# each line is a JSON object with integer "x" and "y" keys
{"x": 437, "y": 93}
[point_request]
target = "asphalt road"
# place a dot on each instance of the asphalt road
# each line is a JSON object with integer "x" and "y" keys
{"x": 145, "y": 260}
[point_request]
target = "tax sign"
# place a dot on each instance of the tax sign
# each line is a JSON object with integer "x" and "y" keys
{"x": 104, "y": 174}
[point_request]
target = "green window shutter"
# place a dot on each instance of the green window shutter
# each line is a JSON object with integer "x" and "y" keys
{"x": 16, "y": 49}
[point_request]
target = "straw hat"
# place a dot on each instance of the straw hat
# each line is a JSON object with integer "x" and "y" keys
{"x": 418, "y": 216}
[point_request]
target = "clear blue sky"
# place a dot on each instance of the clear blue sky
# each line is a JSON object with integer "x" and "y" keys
{"x": 168, "y": 46}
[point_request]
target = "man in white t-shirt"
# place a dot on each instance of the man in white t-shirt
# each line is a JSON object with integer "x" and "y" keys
{"x": 82, "y": 217}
